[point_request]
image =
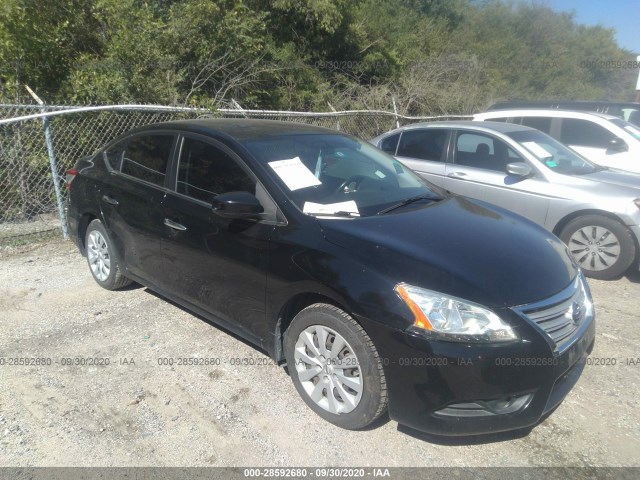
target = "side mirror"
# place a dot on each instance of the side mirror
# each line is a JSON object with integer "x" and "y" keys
{"x": 236, "y": 205}
{"x": 519, "y": 169}
{"x": 617, "y": 145}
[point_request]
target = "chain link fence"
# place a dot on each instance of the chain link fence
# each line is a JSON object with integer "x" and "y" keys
{"x": 39, "y": 143}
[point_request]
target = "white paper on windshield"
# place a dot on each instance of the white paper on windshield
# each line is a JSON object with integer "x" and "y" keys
{"x": 537, "y": 150}
{"x": 294, "y": 173}
{"x": 320, "y": 209}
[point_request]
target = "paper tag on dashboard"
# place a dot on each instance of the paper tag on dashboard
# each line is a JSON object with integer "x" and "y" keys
{"x": 331, "y": 208}
{"x": 537, "y": 150}
{"x": 294, "y": 173}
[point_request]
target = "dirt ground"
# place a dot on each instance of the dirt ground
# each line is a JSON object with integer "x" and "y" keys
{"x": 135, "y": 412}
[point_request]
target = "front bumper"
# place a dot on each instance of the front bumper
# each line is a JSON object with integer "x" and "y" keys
{"x": 447, "y": 388}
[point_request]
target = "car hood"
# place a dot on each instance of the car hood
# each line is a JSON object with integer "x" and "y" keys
{"x": 460, "y": 247}
{"x": 617, "y": 178}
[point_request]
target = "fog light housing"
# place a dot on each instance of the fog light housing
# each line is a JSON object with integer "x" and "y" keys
{"x": 487, "y": 408}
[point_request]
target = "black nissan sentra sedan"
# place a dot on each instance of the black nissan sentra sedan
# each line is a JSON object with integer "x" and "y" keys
{"x": 380, "y": 291}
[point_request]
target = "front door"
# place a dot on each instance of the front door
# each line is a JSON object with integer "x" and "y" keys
{"x": 217, "y": 264}
{"x": 478, "y": 170}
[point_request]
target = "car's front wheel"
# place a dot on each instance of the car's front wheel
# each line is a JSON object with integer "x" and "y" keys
{"x": 602, "y": 246}
{"x": 335, "y": 367}
{"x": 102, "y": 259}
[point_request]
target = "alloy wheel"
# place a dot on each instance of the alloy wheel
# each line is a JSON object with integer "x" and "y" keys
{"x": 98, "y": 256}
{"x": 594, "y": 248}
{"x": 328, "y": 369}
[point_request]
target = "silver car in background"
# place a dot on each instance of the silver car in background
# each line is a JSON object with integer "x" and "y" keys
{"x": 593, "y": 209}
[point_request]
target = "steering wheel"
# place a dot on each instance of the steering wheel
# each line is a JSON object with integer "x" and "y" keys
{"x": 355, "y": 179}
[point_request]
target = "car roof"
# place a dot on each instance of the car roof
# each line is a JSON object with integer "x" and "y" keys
{"x": 511, "y": 104}
{"x": 500, "y": 127}
{"x": 549, "y": 112}
{"x": 238, "y": 128}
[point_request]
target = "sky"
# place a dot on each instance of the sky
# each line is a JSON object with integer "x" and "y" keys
{"x": 622, "y": 15}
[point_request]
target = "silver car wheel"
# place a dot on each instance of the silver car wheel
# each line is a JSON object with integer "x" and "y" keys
{"x": 328, "y": 369}
{"x": 98, "y": 256}
{"x": 594, "y": 248}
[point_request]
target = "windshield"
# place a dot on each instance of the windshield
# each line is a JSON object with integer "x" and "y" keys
{"x": 337, "y": 175}
{"x": 629, "y": 127}
{"x": 552, "y": 153}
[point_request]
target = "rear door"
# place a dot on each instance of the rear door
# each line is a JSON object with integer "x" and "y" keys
{"x": 131, "y": 202}
{"x": 478, "y": 170}
{"x": 217, "y": 264}
{"x": 424, "y": 150}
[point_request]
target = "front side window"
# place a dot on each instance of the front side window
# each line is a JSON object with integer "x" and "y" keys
{"x": 423, "y": 144}
{"x": 145, "y": 157}
{"x": 206, "y": 170}
{"x": 583, "y": 133}
{"x": 483, "y": 151}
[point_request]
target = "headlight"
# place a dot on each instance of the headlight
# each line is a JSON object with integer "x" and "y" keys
{"x": 453, "y": 319}
{"x": 583, "y": 300}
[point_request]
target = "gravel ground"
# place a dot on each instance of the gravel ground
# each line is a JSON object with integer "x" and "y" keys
{"x": 134, "y": 412}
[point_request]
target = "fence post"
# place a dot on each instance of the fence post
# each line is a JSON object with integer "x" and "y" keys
{"x": 337, "y": 116}
{"x": 56, "y": 177}
{"x": 54, "y": 167}
{"x": 395, "y": 111}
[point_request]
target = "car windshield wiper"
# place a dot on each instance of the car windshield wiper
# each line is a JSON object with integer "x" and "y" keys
{"x": 423, "y": 196}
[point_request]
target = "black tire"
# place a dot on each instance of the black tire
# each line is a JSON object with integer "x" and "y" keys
{"x": 373, "y": 399}
{"x": 115, "y": 279}
{"x": 597, "y": 262}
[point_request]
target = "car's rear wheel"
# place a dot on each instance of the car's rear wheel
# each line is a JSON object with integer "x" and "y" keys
{"x": 335, "y": 367}
{"x": 603, "y": 247}
{"x": 102, "y": 259}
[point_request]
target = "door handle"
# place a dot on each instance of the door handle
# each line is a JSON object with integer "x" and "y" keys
{"x": 174, "y": 225}
{"x": 459, "y": 175}
{"x": 110, "y": 200}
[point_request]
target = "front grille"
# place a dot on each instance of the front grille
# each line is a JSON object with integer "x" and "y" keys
{"x": 561, "y": 315}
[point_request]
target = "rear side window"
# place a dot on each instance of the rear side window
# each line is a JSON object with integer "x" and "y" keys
{"x": 205, "y": 170}
{"x": 144, "y": 157}
{"x": 583, "y": 133}
{"x": 427, "y": 144}
{"x": 539, "y": 123}
{"x": 390, "y": 144}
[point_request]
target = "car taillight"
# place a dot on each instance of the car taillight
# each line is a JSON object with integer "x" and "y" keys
{"x": 71, "y": 174}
